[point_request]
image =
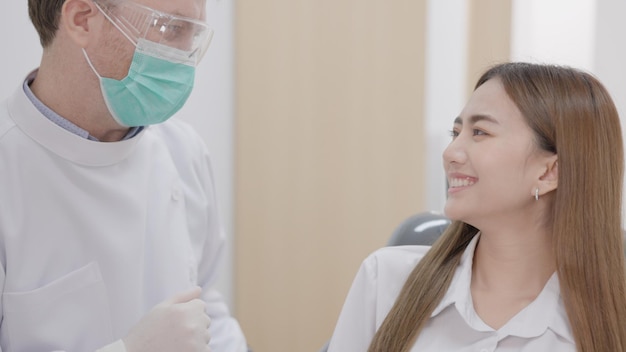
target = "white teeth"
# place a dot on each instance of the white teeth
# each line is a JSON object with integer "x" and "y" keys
{"x": 461, "y": 182}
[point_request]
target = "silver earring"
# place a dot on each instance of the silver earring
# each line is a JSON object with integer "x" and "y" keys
{"x": 536, "y": 193}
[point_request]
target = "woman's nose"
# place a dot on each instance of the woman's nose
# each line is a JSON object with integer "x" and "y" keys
{"x": 455, "y": 151}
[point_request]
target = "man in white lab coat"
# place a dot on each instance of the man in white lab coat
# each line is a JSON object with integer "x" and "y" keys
{"x": 109, "y": 235}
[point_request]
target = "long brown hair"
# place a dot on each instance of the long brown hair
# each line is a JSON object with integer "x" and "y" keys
{"x": 571, "y": 114}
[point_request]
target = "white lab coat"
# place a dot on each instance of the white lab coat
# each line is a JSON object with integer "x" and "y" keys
{"x": 93, "y": 235}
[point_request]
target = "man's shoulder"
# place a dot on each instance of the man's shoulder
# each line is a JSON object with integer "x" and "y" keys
{"x": 187, "y": 149}
{"x": 176, "y": 130}
{"x": 178, "y": 136}
{"x": 6, "y": 123}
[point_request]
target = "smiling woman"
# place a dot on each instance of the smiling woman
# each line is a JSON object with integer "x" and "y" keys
{"x": 492, "y": 149}
{"x": 533, "y": 260}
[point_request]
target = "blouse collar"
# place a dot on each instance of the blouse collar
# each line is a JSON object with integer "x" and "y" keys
{"x": 545, "y": 312}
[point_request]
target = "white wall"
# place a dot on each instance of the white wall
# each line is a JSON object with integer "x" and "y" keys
{"x": 609, "y": 53}
{"x": 609, "y": 49}
{"x": 554, "y": 31}
{"x": 446, "y": 55}
{"x": 209, "y": 109}
{"x": 21, "y": 51}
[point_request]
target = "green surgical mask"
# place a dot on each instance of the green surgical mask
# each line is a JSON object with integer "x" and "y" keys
{"x": 154, "y": 89}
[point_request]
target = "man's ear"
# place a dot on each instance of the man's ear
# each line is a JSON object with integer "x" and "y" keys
{"x": 549, "y": 180}
{"x": 77, "y": 20}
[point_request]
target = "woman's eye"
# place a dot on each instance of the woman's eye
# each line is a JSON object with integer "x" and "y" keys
{"x": 453, "y": 133}
{"x": 479, "y": 133}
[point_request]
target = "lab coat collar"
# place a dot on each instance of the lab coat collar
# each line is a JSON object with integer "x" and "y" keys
{"x": 62, "y": 142}
{"x": 545, "y": 312}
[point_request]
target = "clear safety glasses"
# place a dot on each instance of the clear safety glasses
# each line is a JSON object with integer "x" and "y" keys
{"x": 181, "y": 39}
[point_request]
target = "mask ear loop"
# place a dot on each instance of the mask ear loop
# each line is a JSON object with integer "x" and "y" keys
{"x": 90, "y": 64}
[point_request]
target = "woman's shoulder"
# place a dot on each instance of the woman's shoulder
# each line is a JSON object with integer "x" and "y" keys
{"x": 399, "y": 254}
{"x": 394, "y": 262}
{"x": 382, "y": 276}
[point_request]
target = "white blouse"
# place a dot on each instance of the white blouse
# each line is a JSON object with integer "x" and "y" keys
{"x": 454, "y": 324}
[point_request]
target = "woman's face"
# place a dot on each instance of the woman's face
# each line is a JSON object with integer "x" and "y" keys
{"x": 492, "y": 163}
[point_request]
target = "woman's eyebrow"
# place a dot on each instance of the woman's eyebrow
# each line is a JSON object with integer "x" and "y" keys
{"x": 475, "y": 118}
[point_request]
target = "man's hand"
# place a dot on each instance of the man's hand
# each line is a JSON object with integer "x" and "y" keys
{"x": 178, "y": 324}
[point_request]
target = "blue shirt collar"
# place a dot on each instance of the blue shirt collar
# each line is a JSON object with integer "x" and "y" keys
{"x": 60, "y": 120}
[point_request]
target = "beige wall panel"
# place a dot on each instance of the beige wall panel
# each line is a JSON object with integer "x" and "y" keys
{"x": 489, "y": 40}
{"x": 329, "y": 155}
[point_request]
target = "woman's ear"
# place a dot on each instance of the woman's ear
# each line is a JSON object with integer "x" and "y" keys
{"x": 549, "y": 181}
{"x": 77, "y": 20}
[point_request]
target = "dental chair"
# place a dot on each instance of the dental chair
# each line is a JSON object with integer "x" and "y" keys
{"x": 419, "y": 229}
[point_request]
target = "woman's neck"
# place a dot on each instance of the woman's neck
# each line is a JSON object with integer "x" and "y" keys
{"x": 508, "y": 272}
